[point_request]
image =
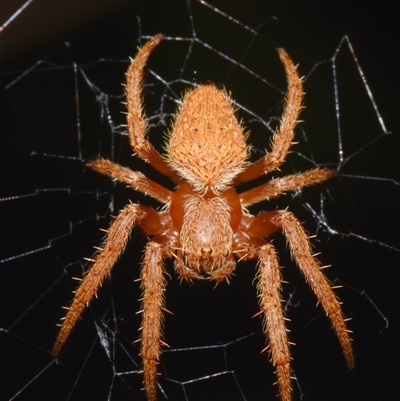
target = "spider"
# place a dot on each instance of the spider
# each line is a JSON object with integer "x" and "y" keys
{"x": 205, "y": 225}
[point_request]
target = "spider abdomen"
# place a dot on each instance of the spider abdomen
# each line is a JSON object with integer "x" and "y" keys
{"x": 206, "y": 146}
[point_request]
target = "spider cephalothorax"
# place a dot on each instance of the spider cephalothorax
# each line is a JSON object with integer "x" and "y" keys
{"x": 205, "y": 225}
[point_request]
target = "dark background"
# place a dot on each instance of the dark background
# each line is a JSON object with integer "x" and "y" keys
{"x": 39, "y": 117}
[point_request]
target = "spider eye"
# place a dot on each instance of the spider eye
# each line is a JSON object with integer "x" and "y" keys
{"x": 206, "y": 252}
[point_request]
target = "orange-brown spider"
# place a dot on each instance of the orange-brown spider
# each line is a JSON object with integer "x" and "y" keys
{"x": 205, "y": 224}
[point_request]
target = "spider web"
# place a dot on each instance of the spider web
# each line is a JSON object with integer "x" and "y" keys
{"x": 63, "y": 107}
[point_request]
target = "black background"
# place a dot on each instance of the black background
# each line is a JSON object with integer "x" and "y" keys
{"x": 35, "y": 286}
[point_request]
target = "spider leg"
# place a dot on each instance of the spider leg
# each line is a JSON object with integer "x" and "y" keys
{"x": 137, "y": 125}
{"x": 153, "y": 286}
{"x": 134, "y": 179}
{"x": 269, "y": 286}
{"x": 278, "y": 186}
{"x": 282, "y": 139}
{"x": 117, "y": 237}
{"x": 301, "y": 251}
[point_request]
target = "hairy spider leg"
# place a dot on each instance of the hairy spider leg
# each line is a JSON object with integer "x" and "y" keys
{"x": 322, "y": 288}
{"x": 134, "y": 179}
{"x": 137, "y": 126}
{"x": 269, "y": 286}
{"x": 269, "y": 290}
{"x": 153, "y": 285}
{"x": 117, "y": 237}
{"x": 279, "y": 186}
{"x": 282, "y": 139}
